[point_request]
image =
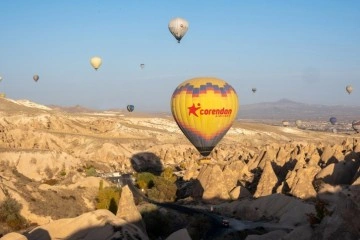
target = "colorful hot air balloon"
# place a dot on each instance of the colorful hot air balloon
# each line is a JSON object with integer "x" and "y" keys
{"x": 333, "y": 120}
{"x": 95, "y": 62}
{"x": 130, "y": 108}
{"x": 178, "y": 27}
{"x": 356, "y": 125}
{"x": 36, "y": 78}
{"x": 204, "y": 109}
{"x": 349, "y": 89}
{"x": 253, "y": 90}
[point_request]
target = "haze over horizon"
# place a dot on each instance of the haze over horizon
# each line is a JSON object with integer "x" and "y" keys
{"x": 305, "y": 51}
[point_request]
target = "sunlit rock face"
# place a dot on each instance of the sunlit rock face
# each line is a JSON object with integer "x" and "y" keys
{"x": 52, "y": 159}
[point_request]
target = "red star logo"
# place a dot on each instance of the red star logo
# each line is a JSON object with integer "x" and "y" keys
{"x": 193, "y": 109}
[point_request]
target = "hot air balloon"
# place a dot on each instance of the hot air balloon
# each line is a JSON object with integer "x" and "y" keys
{"x": 333, "y": 120}
{"x": 95, "y": 62}
{"x": 253, "y": 90}
{"x": 204, "y": 108}
{"x": 178, "y": 27}
{"x": 1, "y": 78}
{"x": 142, "y": 66}
{"x": 298, "y": 123}
{"x": 349, "y": 89}
{"x": 356, "y": 125}
{"x": 285, "y": 123}
{"x": 36, "y": 78}
{"x": 130, "y": 108}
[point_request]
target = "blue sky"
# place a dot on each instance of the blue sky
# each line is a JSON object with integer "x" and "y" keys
{"x": 306, "y": 51}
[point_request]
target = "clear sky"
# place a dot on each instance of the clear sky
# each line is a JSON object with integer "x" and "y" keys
{"x": 306, "y": 51}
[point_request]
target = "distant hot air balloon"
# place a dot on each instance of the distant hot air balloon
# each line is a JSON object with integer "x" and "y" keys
{"x": 95, "y": 62}
{"x": 130, "y": 108}
{"x": 333, "y": 120}
{"x": 298, "y": 123}
{"x": 285, "y": 123}
{"x": 36, "y": 78}
{"x": 204, "y": 109}
{"x": 1, "y": 78}
{"x": 178, "y": 28}
{"x": 349, "y": 89}
{"x": 253, "y": 90}
{"x": 356, "y": 125}
{"x": 142, "y": 66}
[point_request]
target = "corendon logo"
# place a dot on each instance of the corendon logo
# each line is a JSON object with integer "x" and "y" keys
{"x": 210, "y": 111}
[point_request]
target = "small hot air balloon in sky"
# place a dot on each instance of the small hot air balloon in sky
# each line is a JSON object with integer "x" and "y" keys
{"x": 178, "y": 28}
{"x": 298, "y": 123}
{"x": 36, "y": 77}
{"x": 1, "y": 78}
{"x": 95, "y": 62}
{"x": 253, "y": 90}
{"x": 130, "y": 108}
{"x": 356, "y": 125}
{"x": 204, "y": 109}
{"x": 333, "y": 120}
{"x": 349, "y": 89}
{"x": 142, "y": 66}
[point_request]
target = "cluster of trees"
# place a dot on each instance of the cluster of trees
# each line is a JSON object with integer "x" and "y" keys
{"x": 159, "y": 188}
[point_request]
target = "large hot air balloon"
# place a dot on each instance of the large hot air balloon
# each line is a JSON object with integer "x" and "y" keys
{"x": 333, "y": 120}
{"x": 253, "y": 90}
{"x": 178, "y": 27}
{"x": 356, "y": 125}
{"x": 142, "y": 66}
{"x": 204, "y": 109}
{"x": 36, "y": 78}
{"x": 130, "y": 108}
{"x": 349, "y": 89}
{"x": 298, "y": 123}
{"x": 95, "y": 62}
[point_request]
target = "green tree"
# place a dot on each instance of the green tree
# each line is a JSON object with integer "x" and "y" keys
{"x": 163, "y": 190}
{"x": 10, "y": 214}
{"x": 108, "y": 198}
{"x": 145, "y": 180}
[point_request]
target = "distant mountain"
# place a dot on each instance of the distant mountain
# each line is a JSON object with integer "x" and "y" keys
{"x": 291, "y": 110}
{"x": 72, "y": 109}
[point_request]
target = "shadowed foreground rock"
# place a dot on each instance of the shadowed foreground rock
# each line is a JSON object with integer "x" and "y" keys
{"x": 99, "y": 224}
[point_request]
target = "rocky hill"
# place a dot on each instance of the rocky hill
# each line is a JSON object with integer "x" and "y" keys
{"x": 306, "y": 180}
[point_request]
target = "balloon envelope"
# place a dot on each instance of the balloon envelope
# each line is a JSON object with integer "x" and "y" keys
{"x": 333, "y": 120}
{"x": 36, "y": 78}
{"x": 253, "y": 90}
{"x": 1, "y": 78}
{"x": 95, "y": 62}
{"x": 204, "y": 109}
{"x": 130, "y": 108}
{"x": 178, "y": 28}
{"x": 356, "y": 125}
{"x": 349, "y": 89}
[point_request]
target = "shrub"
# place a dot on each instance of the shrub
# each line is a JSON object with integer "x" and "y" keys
{"x": 10, "y": 214}
{"x": 91, "y": 172}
